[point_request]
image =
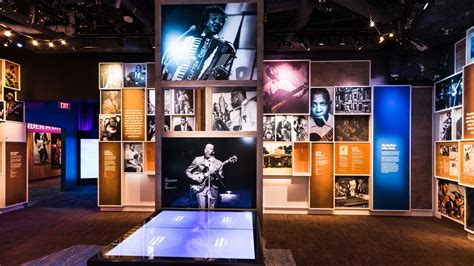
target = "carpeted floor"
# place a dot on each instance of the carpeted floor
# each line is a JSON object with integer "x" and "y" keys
{"x": 61, "y": 220}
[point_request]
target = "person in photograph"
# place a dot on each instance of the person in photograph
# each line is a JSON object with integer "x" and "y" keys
{"x": 211, "y": 61}
{"x": 111, "y": 103}
{"x": 14, "y": 109}
{"x": 133, "y": 159}
{"x": 136, "y": 78}
{"x": 205, "y": 172}
{"x": 300, "y": 126}
{"x": 322, "y": 121}
{"x": 454, "y": 93}
{"x": 151, "y": 103}
{"x": 2, "y": 111}
{"x": 183, "y": 125}
{"x": 151, "y": 130}
{"x": 41, "y": 141}
{"x": 247, "y": 108}
{"x": 283, "y": 130}
{"x": 56, "y": 148}
{"x": 113, "y": 75}
{"x": 11, "y": 76}
{"x": 182, "y": 105}
{"x": 269, "y": 129}
{"x": 446, "y": 127}
{"x": 110, "y": 129}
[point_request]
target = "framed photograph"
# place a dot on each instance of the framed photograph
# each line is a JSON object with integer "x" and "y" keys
{"x": 151, "y": 101}
{"x": 56, "y": 150}
{"x": 150, "y": 128}
{"x": 111, "y": 101}
{"x": 2, "y": 111}
{"x": 167, "y": 101}
{"x": 451, "y": 200}
{"x": 457, "y": 124}
{"x": 110, "y": 127}
{"x": 352, "y": 128}
{"x": 284, "y": 125}
{"x": 134, "y": 75}
{"x": 167, "y": 123}
{"x": 9, "y": 95}
{"x": 183, "y": 101}
{"x": 447, "y": 160}
{"x": 469, "y": 45}
{"x": 300, "y": 128}
{"x": 12, "y": 75}
{"x": 467, "y": 174}
{"x": 321, "y": 124}
{"x": 269, "y": 127}
{"x": 14, "y": 110}
{"x": 234, "y": 109}
{"x": 286, "y": 88}
{"x": 277, "y": 158}
{"x": 353, "y": 100}
{"x": 110, "y": 76}
{"x": 41, "y": 148}
{"x": 209, "y": 172}
{"x": 448, "y": 92}
{"x": 183, "y": 123}
{"x": 191, "y": 50}
{"x": 133, "y": 157}
{"x": 446, "y": 125}
{"x": 352, "y": 192}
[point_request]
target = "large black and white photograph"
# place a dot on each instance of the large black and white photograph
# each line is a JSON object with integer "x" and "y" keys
{"x": 234, "y": 109}
{"x": 183, "y": 123}
{"x": 209, "y": 172}
{"x": 448, "y": 92}
{"x": 352, "y": 192}
{"x": 277, "y": 158}
{"x": 209, "y": 41}
{"x": 41, "y": 148}
{"x": 351, "y": 128}
{"x": 134, "y": 75}
{"x": 446, "y": 126}
{"x": 183, "y": 102}
{"x": 269, "y": 127}
{"x": 110, "y": 127}
{"x": 150, "y": 128}
{"x": 150, "y": 102}
{"x": 451, "y": 200}
{"x": 321, "y": 122}
{"x": 285, "y": 87}
{"x": 353, "y": 100}
{"x": 110, "y": 76}
{"x": 133, "y": 157}
{"x": 111, "y": 101}
{"x": 284, "y": 126}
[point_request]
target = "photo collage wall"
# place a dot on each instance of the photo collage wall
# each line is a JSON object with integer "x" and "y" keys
{"x": 318, "y": 131}
{"x": 454, "y": 145}
{"x": 11, "y": 109}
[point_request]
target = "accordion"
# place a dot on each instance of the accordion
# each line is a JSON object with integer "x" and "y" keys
{"x": 198, "y": 58}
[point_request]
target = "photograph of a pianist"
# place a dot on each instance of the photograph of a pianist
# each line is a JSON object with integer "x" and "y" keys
{"x": 209, "y": 42}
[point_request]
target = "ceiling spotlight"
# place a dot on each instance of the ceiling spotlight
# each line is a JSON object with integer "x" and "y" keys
{"x": 34, "y": 42}
{"x": 7, "y": 33}
{"x": 128, "y": 17}
{"x": 63, "y": 42}
{"x": 381, "y": 39}
{"x": 358, "y": 46}
{"x": 7, "y": 43}
{"x": 391, "y": 35}
{"x": 51, "y": 44}
{"x": 343, "y": 41}
{"x": 305, "y": 46}
{"x": 19, "y": 45}
{"x": 372, "y": 23}
{"x": 426, "y": 5}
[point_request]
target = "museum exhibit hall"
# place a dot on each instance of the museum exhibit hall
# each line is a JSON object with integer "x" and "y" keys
{"x": 237, "y": 132}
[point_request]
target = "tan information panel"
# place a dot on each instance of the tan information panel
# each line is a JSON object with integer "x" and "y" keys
{"x": 352, "y": 159}
{"x": 467, "y": 163}
{"x": 150, "y": 156}
{"x": 301, "y": 158}
{"x": 447, "y": 160}
{"x": 109, "y": 173}
{"x": 321, "y": 180}
{"x": 468, "y": 101}
{"x": 133, "y": 126}
{"x": 15, "y": 174}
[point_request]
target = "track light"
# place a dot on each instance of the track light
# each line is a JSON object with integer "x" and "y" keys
{"x": 19, "y": 45}
{"x": 372, "y": 23}
{"x": 34, "y": 42}
{"x": 381, "y": 39}
{"x": 51, "y": 44}
{"x": 342, "y": 41}
{"x": 391, "y": 35}
{"x": 63, "y": 42}
{"x": 7, "y": 43}
{"x": 305, "y": 46}
{"x": 7, "y": 33}
{"x": 426, "y": 5}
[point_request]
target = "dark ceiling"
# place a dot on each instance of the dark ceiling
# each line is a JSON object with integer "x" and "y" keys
{"x": 290, "y": 25}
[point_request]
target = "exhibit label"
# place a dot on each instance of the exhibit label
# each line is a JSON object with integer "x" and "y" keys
{"x": 391, "y": 172}
{"x": 352, "y": 158}
{"x": 467, "y": 164}
{"x": 109, "y": 173}
{"x": 133, "y": 114}
{"x": 321, "y": 181}
{"x": 469, "y": 102}
{"x": 16, "y": 179}
{"x": 447, "y": 160}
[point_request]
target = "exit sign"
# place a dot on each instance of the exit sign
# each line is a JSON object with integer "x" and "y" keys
{"x": 64, "y": 105}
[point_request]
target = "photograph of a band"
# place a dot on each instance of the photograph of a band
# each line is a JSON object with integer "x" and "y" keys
{"x": 352, "y": 192}
{"x": 353, "y": 100}
{"x": 352, "y": 128}
{"x": 150, "y": 128}
{"x": 234, "y": 109}
{"x": 12, "y": 75}
{"x": 269, "y": 127}
{"x": 209, "y": 41}
{"x": 285, "y": 87}
{"x": 321, "y": 122}
{"x": 134, "y": 75}
{"x": 110, "y": 127}
{"x": 277, "y": 158}
{"x": 451, "y": 200}
{"x": 183, "y": 123}
{"x": 209, "y": 172}
{"x": 150, "y": 102}
{"x": 448, "y": 92}
{"x": 111, "y": 101}
{"x": 183, "y": 101}
{"x": 133, "y": 157}
{"x": 41, "y": 148}
{"x": 110, "y": 75}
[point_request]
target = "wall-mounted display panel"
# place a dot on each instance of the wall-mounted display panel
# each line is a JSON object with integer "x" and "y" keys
{"x": 352, "y": 159}
{"x": 190, "y": 50}
{"x": 15, "y": 173}
{"x": 352, "y": 192}
{"x": 133, "y": 128}
{"x": 353, "y": 100}
{"x": 321, "y": 190}
{"x": 111, "y": 102}
{"x": 470, "y": 45}
{"x": 135, "y": 75}
{"x": 277, "y": 158}
{"x": 352, "y": 128}
{"x": 133, "y": 157}
{"x": 448, "y": 92}
{"x": 234, "y": 109}
{"x": 466, "y": 157}
{"x": 110, "y": 172}
{"x": 110, "y": 127}
{"x": 89, "y": 158}
{"x": 451, "y": 200}
{"x": 110, "y": 76}
{"x": 469, "y": 226}
{"x": 459, "y": 55}
{"x": 301, "y": 159}
{"x": 447, "y": 160}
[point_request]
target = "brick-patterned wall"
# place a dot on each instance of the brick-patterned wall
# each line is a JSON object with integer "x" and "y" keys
{"x": 421, "y": 151}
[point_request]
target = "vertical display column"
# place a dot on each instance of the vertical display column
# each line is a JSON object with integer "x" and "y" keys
{"x": 391, "y": 168}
